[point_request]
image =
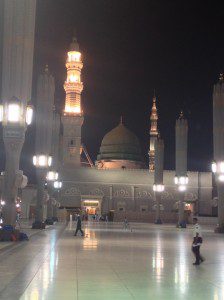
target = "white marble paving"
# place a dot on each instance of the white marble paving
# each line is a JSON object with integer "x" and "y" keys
{"x": 151, "y": 262}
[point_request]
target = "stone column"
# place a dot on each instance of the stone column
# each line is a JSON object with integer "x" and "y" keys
{"x": 17, "y": 68}
{"x": 158, "y": 176}
{"x": 44, "y": 128}
{"x": 49, "y": 209}
{"x": 181, "y": 163}
{"x": 41, "y": 177}
{"x": 111, "y": 197}
{"x": 55, "y": 210}
{"x": 218, "y": 143}
{"x": 133, "y": 198}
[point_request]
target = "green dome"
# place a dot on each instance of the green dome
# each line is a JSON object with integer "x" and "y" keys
{"x": 120, "y": 144}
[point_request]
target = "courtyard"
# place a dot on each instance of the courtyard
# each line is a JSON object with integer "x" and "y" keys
{"x": 144, "y": 262}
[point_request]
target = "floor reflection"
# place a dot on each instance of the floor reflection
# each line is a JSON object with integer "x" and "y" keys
{"x": 158, "y": 260}
{"x": 181, "y": 272}
{"x": 90, "y": 241}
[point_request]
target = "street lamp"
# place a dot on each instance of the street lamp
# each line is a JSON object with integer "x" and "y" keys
{"x": 42, "y": 162}
{"x": 57, "y": 186}
{"x": 15, "y": 115}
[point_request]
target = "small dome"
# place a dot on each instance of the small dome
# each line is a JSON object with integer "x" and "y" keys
{"x": 120, "y": 144}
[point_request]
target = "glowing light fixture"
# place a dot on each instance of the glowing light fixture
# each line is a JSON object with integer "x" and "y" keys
{"x": 182, "y": 188}
{"x": 181, "y": 180}
{"x": 42, "y": 161}
{"x": 221, "y": 177}
{"x": 218, "y": 168}
{"x": 214, "y": 167}
{"x": 2, "y": 202}
{"x": 15, "y": 112}
{"x": 52, "y": 176}
{"x": 29, "y": 114}
{"x": 57, "y": 184}
{"x": 158, "y": 188}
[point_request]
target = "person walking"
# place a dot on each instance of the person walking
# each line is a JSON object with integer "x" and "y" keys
{"x": 197, "y": 242}
{"x": 79, "y": 226}
{"x": 126, "y": 224}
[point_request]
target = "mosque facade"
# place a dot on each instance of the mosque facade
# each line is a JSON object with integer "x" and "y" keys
{"x": 118, "y": 183}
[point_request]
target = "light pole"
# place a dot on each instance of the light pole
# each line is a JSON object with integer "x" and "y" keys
{"x": 181, "y": 178}
{"x": 218, "y": 144}
{"x": 15, "y": 115}
{"x": 42, "y": 162}
{"x": 158, "y": 186}
{"x": 51, "y": 177}
{"x": 57, "y": 186}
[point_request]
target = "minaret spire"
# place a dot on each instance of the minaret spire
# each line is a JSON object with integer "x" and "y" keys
{"x": 73, "y": 85}
{"x": 153, "y": 133}
{"x": 72, "y": 118}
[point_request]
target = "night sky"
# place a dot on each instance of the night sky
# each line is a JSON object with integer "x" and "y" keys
{"x": 131, "y": 48}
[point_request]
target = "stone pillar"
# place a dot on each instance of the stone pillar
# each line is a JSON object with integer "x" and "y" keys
{"x": 158, "y": 176}
{"x": 55, "y": 210}
{"x": 55, "y": 149}
{"x": 133, "y": 198}
{"x": 17, "y": 68}
{"x": 111, "y": 197}
{"x": 181, "y": 163}
{"x": 218, "y": 143}
{"x": 44, "y": 128}
{"x": 41, "y": 177}
{"x": 49, "y": 209}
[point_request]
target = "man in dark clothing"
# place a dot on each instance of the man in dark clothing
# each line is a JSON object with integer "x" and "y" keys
{"x": 79, "y": 226}
{"x": 197, "y": 241}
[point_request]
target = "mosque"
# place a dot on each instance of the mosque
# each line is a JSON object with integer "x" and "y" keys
{"x": 118, "y": 183}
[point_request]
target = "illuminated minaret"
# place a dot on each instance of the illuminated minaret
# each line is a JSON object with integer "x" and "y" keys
{"x": 72, "y": 118}
{"x": 153, "y": 134}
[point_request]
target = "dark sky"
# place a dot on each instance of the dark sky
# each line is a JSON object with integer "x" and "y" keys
{"x": 130, "y": 48}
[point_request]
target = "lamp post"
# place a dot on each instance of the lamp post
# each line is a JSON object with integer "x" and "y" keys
{"x": 158, "y": 186}
{"x": 57, "y": 187}
{"x": 15, "y": 115}
{"x": 42, "y": 162}
{"x": 218, "y": 144}
{"x": 181, "y": 178}
{"x": 51, "y": 177}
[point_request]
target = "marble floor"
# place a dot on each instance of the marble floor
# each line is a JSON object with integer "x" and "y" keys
{"x": 149, "y": 262}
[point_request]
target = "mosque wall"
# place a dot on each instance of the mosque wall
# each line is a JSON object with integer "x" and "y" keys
{"x": 130, "y": 193}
